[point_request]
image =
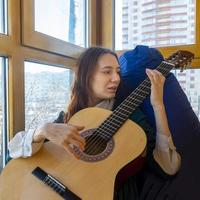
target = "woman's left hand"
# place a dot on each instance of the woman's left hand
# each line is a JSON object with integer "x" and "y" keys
{"x": 157, "y": 84}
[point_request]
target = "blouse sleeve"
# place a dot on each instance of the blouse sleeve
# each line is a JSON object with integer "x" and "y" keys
{"x": 166, "y": 155}
{"x": 22, "y": 144}
{"x": 161, "y": 153}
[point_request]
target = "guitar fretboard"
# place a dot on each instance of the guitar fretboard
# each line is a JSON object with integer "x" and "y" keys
{"x": 110, "y": 126}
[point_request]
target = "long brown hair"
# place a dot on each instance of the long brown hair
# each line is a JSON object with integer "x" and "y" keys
{"x": 81, "y": 90}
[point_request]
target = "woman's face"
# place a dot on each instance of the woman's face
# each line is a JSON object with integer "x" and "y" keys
{"x": 106, "y": 78}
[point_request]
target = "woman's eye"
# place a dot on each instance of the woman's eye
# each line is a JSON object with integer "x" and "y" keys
{"x": 107, "y": 72}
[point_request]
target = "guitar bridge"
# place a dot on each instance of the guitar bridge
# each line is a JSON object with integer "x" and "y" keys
{"x": 54, "y": 184}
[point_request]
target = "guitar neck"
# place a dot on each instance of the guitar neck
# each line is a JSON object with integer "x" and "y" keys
{"x": 140, "y": 93}
{"x": 126, "y": 108}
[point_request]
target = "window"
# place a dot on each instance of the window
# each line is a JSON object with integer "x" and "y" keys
{"x": 47, "y": 92}
{"x": 179, "y": 22}
{"x": 3, "y": 16}
{"x": 18, "y": 45}
{"x": 3, "y": 111}
{"x": 191, "y": 87}
{"x": 67, "y": 17}
{"x": 57, "y": 26}
{"x": 1, "y": 117}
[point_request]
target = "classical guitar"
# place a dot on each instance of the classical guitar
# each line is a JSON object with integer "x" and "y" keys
{"x": 112, "y": 141}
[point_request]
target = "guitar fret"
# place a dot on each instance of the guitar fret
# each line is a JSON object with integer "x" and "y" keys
{"x": 111, "y": 122}
{"x": 114, "y": 119}
{"x": 122, "y": 114}
{"x": 106, "y": 129}
{"x": 132, "y": 104}
{"x": 138, "y": 97}
{"x": 140, "y": 93}
{"x": 146, "y": 81}
{"x": 118, "y": 117}
{"x": 127, "y": 105}
{"x": 108, "y": 123}
{"x": 122, "y": 109}
{"x": 145, "y": 92}
{"x": 132, "y": 98}
{"x": 138, "y": 101}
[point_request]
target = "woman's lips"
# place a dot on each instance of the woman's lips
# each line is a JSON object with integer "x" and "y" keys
{"x": 112, "y": 89}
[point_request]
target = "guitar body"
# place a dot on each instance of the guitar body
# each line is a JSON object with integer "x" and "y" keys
{"x": 88, "y": 180}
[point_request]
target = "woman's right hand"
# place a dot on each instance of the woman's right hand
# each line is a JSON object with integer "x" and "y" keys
{"x": 64, "y": 135}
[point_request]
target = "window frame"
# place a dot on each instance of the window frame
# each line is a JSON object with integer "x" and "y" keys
{"x": 17, "y": 53}
{"x": 38, "y": 40}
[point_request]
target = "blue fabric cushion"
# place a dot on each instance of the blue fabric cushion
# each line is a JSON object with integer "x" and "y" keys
{"x": 184, "y": 126}
{"x": 183, "y": 122}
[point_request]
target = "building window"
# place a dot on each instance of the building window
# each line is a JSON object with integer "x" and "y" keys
{"x": 3, "y": 16}
{"x": 179, "y": 22}
{"x": 191, "y": 78}
{"x": 47, "y": 92}
{"x": 191, "y": 88}
{"x": 3, "y": 111}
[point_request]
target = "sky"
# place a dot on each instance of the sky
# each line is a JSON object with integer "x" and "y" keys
{"x": 31, "y": 67}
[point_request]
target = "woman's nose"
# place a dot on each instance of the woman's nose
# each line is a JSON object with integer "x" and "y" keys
{"x": 116, "y": 77}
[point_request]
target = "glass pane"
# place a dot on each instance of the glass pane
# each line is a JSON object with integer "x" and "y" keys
{"x": 190, "y": 82}
{"x": 3, "y": 16}
{"x": 62, "y": 19}
{"x": 1, "y": 116}
{"x": 3, "y": 111}
{"x": 154, "y": 23}
{"x": 47, "y": 92}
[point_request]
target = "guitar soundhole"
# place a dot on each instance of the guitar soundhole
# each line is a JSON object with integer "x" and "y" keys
{"x": 95, "y": 145}
{"x": 96, "y": 149}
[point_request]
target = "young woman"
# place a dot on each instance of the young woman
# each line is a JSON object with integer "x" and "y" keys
{"x": 96, "y": 83}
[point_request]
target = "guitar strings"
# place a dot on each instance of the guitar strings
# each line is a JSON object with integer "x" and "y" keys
{"x": 131, "y": 102}
{"x": 100, "y": 140}
{"x": 106, "y": 127}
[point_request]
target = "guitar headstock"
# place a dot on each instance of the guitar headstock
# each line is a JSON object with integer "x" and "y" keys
{"x": 181, "y": 59}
